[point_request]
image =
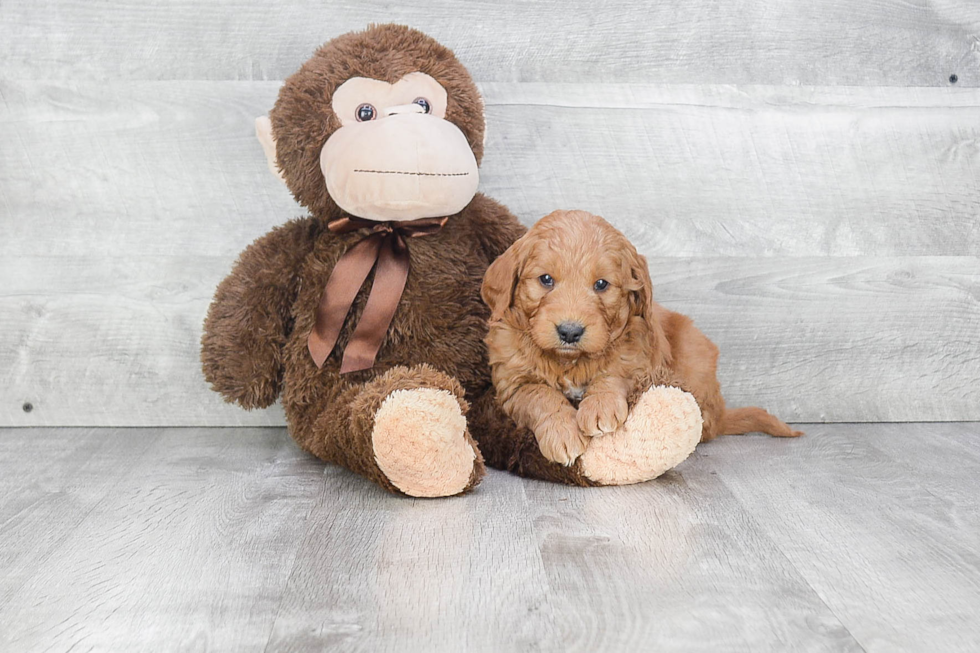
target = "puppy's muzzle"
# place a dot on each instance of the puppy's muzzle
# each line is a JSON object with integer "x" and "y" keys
{"x": 570, "y": 332}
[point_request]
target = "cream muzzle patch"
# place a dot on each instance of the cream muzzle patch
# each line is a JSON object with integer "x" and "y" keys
{"x": 395, "y": 156}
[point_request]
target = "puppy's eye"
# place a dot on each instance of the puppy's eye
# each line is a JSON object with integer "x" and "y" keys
{"x": 365, "y": 112}
{"x": 600, "y": 285}
{"x": 422, "y": 102}
{"x": 546, "y": 281}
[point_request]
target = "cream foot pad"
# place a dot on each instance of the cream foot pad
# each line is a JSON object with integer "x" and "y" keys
{"x": 661, "y": 431}
{"x": 420, "y": 443}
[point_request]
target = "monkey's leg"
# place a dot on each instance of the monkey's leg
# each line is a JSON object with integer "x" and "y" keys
{"x": 661, "y": 431}
{"x": 406, "y": 430}
{"x": 506, "y": 446}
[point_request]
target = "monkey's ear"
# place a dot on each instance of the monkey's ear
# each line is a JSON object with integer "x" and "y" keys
{"x": 263, "y": 130}
{"x": 483, "y": 112}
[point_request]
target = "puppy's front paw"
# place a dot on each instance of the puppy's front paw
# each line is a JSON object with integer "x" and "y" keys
{"x": 603, "y": 413}
{"x": 560, "y": 440}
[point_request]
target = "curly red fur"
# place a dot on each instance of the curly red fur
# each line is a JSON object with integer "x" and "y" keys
{"x": 575, "y": 268}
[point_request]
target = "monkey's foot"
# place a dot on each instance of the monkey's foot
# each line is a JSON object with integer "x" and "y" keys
{"x": 661, "y": 431}
{"x": 422, "y": 445}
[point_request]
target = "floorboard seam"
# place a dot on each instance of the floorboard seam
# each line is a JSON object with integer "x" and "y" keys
{"x": 56, "y": 546}
{"x": 549, "y": 592}
{"x": 296, "y": 557}
{"x": 765, "y": 533}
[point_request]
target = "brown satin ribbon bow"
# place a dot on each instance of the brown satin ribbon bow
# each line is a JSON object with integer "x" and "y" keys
{"x": 386, "y": 246}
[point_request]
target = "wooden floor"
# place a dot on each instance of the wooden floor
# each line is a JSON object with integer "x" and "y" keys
{"x": 855, "y": 537}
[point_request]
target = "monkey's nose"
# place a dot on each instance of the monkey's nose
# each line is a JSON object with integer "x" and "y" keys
{"x": 570, "y": 332}
{"x": 403, "y": 108}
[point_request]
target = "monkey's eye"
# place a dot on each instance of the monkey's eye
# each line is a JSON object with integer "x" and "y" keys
{"x": 546, "y": 281}
{"x": 365, "y": 112}
{"x": 422, "y": 102}
{"x": 600, "y": 285}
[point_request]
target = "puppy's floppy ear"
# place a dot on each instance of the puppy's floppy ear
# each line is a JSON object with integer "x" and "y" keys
{"x": 641, "y": 303}
{"x": 641, "y": 289}
{"x": 501, "y": 278}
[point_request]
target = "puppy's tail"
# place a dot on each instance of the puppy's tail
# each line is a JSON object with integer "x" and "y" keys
{"x": 737, "y": 421}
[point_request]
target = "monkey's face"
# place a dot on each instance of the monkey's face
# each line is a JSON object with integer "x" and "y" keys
{"x": 395, "y": 156}
{"x": 383, "y": 124}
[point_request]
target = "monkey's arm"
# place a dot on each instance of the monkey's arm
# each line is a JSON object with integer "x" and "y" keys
{"x": 496, "y": 226}
{"x": 249, "y": 318}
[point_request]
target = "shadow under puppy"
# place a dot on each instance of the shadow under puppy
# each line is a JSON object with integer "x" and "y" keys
{"x": 576, "y": 339}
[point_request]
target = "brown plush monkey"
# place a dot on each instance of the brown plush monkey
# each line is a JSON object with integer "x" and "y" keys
{"x": 366, "y": 315}
{"x": 379, "y": 126}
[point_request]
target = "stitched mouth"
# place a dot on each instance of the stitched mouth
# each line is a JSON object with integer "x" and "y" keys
{"x": 413, "y": 174}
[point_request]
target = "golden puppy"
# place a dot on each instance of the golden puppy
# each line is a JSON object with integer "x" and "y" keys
{"x": 575, "y": 338}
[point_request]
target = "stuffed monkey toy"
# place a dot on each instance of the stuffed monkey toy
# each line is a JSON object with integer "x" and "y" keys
{"x": 366, "y": 316}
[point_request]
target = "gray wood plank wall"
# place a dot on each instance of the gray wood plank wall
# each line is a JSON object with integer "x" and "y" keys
{"x": 803, "y": 177}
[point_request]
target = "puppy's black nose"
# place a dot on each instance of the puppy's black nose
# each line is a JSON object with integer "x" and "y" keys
{"x": 570, "y": 332}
